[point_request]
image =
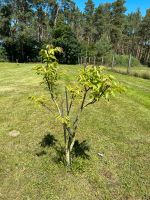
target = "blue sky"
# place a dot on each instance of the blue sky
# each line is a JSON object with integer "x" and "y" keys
{"x": 131, "y": 5}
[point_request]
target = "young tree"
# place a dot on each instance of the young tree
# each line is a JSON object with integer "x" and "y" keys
{"x": 92, "y": 84}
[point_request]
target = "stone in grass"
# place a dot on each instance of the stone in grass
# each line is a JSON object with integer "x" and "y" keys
{"x": 14, "y": 133}
{"x": 101, "y": 154}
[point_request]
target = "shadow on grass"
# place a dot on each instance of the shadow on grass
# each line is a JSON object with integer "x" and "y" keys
{"x": 41, "y": 153}
{"x": 80, "y": 149}
{"x": 48, "y": 141}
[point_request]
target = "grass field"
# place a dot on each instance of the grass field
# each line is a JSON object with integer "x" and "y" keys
{"x": 120, "y": 129}
{"x": 141, "y": 71}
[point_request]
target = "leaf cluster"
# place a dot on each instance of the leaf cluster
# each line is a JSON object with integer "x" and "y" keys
{"x": 49, "y": 70}
{"x": 92, "y": 84}
{"x": 98, "y": 83}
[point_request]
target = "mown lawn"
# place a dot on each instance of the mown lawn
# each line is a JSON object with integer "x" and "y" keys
{"x": 120, "y": 129}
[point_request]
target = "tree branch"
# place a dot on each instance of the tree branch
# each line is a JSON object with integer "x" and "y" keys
{"x": 45, "y": 106}
{"x": 67, "y": 104}
{"x": 80, "y": 110}
{"x": 94, "y": 100}
{"x": 91, "y": 102}
{"x": 71, "y": 102}
{"x": 52, "y": 96}
{"x": 83, "y": 100}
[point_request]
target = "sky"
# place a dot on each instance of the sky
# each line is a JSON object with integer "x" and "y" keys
{"x": 131, "y": 5}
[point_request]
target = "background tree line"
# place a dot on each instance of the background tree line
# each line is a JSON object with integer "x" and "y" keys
{"x": 26, "y": 25}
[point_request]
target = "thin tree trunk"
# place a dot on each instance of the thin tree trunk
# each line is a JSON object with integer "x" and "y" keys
{"x": 56, "y": 17}
{"x": 148, "y": 55}
{"x": 70, "y": 134}
{"x": 72, "y": 143}
{"x": 70, "y": 140}
{"x": 65, "y": 133}
{"x": 22, "y": 52}
{"x": 141, "y": 53}
{"x": 68, "y": 160}
{"x": 137, "y": 52}
{"x": 39, "y": 33}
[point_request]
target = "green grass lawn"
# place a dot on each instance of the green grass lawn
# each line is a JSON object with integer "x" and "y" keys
{"x": 120, "y": 129}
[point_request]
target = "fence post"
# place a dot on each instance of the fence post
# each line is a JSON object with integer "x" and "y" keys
{"x": 89, "y": 60}
{"x": 102, "y": 60}
{"x": 86, "y": 60}
{"x": 94, "y": 60}
{"x": 129, "y": 64}
{"x": 113, "y": 59}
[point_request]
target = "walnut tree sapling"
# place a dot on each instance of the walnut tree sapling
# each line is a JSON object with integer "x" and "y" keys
{"x": 92, "y": 84}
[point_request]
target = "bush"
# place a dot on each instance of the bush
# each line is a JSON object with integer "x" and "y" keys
{"x": 3, "y": 55}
